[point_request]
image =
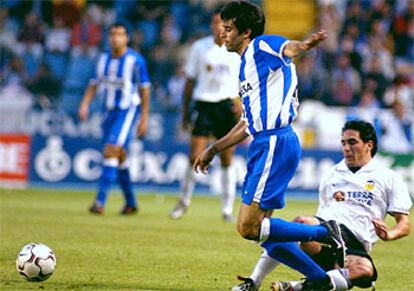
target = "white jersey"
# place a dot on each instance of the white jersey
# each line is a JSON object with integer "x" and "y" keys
{"x": 354, "y": 199}
{"x": 215, "y": 70}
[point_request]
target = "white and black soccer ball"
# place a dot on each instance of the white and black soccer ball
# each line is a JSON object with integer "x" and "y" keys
{"x": 36, "y": 262}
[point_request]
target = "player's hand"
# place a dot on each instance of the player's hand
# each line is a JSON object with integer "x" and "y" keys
{"x": 315, "y": 39}
{"x": 83, "y": 112}
{"x": 381, "y": 229}
{"x": 203, "y": 161}
{"x": 142, "y": 128}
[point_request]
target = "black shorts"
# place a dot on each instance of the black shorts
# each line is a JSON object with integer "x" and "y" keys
{"x": 213, "y": 119}
{"x": 326, "y": 260}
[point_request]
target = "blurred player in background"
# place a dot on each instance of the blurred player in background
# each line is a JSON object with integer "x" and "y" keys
{"x": 122, "y": 78}
{"x": 358, "y": 193}
{"x": 268, "y": 89}
{"x": 212, "y": 82}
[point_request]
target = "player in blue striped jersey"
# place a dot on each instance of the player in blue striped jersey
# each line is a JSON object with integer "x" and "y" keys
{"x": 122, "y": 78}
{"x": 268, "y": 89}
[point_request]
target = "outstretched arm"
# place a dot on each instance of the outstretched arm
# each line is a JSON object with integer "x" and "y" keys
{"x": 295, "y": 48}
{"x": 235, "y": 136}
{"x": 145, "y": 94}
{"x": 401, "y": 229}
{"x": 87, "y": 99}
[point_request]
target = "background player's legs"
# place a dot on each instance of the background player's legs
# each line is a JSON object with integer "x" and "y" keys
{"x": 108, "y": 176}
{"x": 197, "y": 144}
{"x": 228, "y": 181}
{"x": 126, "y": 185}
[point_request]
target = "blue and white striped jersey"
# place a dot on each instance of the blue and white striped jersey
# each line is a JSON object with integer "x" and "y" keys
{"x": 118, "y": 79}
{"x": 268, "y": 84}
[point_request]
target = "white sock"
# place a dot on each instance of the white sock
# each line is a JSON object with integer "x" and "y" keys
{"x": 228, "y": 181}
{"x": 264, "y": 229}
{"x": 111, "y": 162}
{"x": 263, "y": 267}
{"x": 187, "y": 185}
{"x": 339, "y": 278}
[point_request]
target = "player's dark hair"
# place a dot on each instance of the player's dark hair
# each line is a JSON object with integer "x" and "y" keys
{"x": 245, "y": 15}
{"x": 118, "y": 24}
{"x": 366, "y": 132}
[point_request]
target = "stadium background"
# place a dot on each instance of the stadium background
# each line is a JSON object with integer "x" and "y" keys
{"x": 48, "y": 49}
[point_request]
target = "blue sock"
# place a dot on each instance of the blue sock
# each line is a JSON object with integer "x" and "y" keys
{"x": 104, "y": 185}
{"x": 126, "y": 185}
{"x": 290, "y": 254}
{"x": 282, "y": 230}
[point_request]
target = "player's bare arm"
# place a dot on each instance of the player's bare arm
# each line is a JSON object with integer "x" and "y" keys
{"x": 401, "y": 229}
{"x": 295, "y": 48}
{"x": 237, "y": 107}
{"x": 145, "y": 106}
{"x": 235, "y": 136}
{"x": 188, "y": 92}
{"x": 86, "y": 101}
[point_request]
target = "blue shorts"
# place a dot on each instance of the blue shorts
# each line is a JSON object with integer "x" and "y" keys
{"x": 118, "y": 126}
{"x": 271, "y": 163}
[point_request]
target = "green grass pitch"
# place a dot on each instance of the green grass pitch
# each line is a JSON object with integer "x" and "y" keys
{"x": 149, "y": 251}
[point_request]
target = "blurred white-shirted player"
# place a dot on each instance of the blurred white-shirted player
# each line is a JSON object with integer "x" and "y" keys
{"x": 358, "y": 192}
{"x": 122, "y": 78}
{"x": 212, "y": 82}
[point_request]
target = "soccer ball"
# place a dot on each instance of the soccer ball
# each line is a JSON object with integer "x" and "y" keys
{"x": 36, "y": 262}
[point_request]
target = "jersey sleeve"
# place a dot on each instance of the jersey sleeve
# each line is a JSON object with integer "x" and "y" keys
{"x": 191, "y": 66}
{"x": 399, "y": 199}
{"x": 274, "y": 45}
{"x": 141, "y": 73}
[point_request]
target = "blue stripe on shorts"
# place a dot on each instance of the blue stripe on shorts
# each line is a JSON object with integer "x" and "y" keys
{"x": 272, "y": 160}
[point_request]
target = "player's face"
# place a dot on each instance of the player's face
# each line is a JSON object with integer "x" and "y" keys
{"x": 357, "y": 153}
{"x": 118, "y": 38}
{"x": 231, "y": 37}
{"x": 216, "y": 26}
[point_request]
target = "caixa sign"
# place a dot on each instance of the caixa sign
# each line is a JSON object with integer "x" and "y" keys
{"x": 60, "y": 159}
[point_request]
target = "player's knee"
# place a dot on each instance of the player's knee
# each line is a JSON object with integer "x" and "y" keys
{"x": 111, "y": 151}
{"x": 304, "y": 219}
{"x": 365, "y": 271}
{"x": 226, "y": 163}
{"x": 248, "y": 230}
{"x": 365, "y": 276}
{"x": 226, "y": 159}
{"x": 122, "y": 155}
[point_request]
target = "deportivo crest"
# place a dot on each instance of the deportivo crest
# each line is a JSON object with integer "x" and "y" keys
{"x": 369, "y": 185}
{"x": 339, "y": 196}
